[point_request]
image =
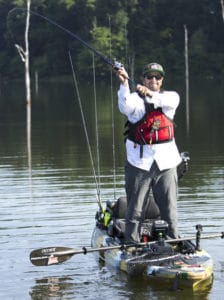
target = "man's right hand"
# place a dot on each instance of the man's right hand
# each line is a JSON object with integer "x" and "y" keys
{"x": 122, "y": 76}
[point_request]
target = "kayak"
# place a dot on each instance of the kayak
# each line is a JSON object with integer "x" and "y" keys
{"x": 156, "y": 258}
{"x": 176, "y": 262}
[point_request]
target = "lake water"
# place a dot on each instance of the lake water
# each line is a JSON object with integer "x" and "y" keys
{"x": 53, "y": 203}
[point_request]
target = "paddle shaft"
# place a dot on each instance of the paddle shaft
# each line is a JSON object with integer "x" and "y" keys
{"x": 55, "y": 255}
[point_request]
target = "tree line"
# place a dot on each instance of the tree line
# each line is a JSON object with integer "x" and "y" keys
{"x": 134, "y": 32}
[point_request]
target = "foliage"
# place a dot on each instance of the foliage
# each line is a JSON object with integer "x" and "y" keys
{"x": 151, "y": 30}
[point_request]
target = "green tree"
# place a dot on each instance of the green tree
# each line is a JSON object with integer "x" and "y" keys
{"x": 145, "y": 29}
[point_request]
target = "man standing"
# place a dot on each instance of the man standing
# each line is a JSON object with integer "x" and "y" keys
{"x": 152, "y": 154}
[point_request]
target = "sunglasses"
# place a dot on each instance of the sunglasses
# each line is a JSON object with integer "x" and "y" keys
{"x": 151, "y": 76}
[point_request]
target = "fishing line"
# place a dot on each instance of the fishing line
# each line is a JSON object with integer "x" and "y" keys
{"x": 85, "y": 130}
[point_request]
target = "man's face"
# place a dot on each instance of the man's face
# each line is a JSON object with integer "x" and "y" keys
{"x": 153, "y": 81}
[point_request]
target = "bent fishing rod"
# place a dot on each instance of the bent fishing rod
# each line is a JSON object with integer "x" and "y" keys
{"x": 114, "y": 64}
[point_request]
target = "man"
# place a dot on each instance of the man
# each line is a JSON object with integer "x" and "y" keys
{"x": 152, "y": 154}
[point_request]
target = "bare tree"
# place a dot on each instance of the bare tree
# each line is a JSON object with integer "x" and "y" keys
{"x": 24, "y": 54}
{"x": 186, "y": 76}
{"x": 222, "y": 5}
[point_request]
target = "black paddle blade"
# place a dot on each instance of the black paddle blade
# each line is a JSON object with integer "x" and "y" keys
{"x": 50, "y": 256}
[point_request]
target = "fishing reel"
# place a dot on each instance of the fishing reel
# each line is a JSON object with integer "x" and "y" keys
{"x": 117, "y": 65}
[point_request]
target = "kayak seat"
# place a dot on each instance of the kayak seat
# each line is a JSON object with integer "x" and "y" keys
{"x": 118, "y": 210}
{"x": 150, "y": 211}
{"x": 118, "y": 228}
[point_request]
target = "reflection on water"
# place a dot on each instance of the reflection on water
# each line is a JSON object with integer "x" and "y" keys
{"x": 107, "y": 286}
{"x": 52, "y": 287}
{"x": 55, "y": 204}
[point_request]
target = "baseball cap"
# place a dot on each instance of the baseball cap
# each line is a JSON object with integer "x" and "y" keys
{"x": 153, "y": 67}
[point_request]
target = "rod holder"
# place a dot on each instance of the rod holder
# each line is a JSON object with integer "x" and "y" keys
{"x": 199, "y": 229}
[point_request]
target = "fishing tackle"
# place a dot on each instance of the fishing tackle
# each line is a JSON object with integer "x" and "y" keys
{"x": 115, "y": 64}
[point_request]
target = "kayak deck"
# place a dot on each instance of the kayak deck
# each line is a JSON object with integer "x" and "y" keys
{"x": 193, "y": 270}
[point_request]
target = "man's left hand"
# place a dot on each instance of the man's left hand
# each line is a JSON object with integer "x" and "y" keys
{"x": 143, "y": 90}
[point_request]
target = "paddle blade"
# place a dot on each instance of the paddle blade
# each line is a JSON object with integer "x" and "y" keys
{"x": 50, "y": 256}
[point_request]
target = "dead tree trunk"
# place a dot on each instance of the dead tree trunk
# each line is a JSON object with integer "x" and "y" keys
{"x": 186, "y": 76}
{"x": 222, "y": 6}
{"x": 24, "y": 54}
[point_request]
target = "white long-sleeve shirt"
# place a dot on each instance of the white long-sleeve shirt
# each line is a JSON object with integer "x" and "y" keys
{"x": 132, "y": 105}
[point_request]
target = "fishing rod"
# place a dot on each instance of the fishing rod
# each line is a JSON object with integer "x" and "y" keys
{"x": 96, "y": 125}
{"x": 56, "y": 255}
{"x": 86, "y": 133}
{"x": 115, "y": 64}
{"x": 112, "y": 118}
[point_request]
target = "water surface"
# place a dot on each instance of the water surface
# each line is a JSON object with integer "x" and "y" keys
{"x": 54, "y": 202}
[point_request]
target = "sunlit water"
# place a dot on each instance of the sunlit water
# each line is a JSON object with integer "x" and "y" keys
{"x": 54, "y": 204}
{"x": 50, "y": 209}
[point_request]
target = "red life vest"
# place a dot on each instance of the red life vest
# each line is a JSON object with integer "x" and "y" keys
{"x": 154, "y": 128}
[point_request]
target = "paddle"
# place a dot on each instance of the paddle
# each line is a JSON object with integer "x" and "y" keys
{"x": 55, "y": 255}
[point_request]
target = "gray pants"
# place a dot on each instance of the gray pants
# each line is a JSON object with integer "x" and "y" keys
{"x": 138, "y": 184}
